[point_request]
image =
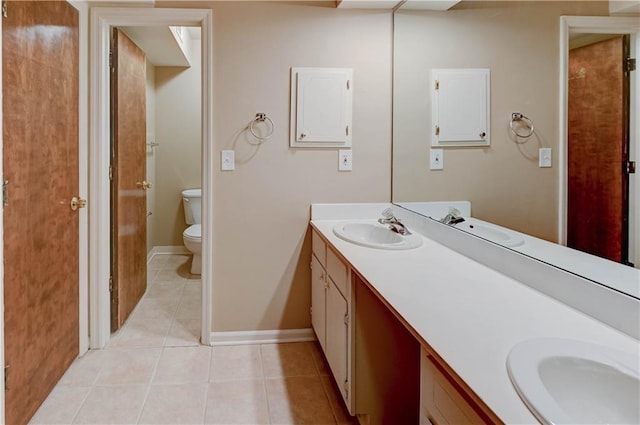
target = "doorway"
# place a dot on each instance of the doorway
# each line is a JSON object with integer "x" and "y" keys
{"x": 597, "y": 26}
{"x": 598, "y": 146}
{"x": 102, "y": 22}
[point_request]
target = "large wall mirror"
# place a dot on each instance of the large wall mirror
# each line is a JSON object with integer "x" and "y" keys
{"x": 547, "y": 59}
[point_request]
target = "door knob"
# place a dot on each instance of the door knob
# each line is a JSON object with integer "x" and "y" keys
{"x": 145, "y": 185}
{"x": 78, "y": 203}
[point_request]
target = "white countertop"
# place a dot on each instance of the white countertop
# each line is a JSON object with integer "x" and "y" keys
{"x": 470, "y": 314}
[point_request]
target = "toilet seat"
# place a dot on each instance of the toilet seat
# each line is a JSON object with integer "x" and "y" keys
{"x": 193, "y": 233}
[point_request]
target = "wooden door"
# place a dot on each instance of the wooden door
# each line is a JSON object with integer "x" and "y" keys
{"x": 598, "y": 150}
{"x": 128, "y": 189}
{"x": 40, "y": 131}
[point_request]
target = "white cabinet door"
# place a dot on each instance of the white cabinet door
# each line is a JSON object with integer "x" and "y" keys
{"x": 337, "y": 336}
{"x": 321, "y": 99}
{"x": 318, "y": 300}
{"x": 460, "y": 108}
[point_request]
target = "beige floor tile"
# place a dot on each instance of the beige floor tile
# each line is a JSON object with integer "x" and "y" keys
{"x": 175, "y": 404}
{"x": 174, "y": 261}
{"x": 292, "y": 359}
{"x": 61, "y": 406}
{"x": 236, "y": 362}
{"x": 157, "y": 262}
{"x": 156, "y": 308}
{"x": 183, "y": 365}
{"x": 336, "y": 402}
{"x": 151, "y": 277}
{"x": 129, "y": 366}
{"x": 142, "y": 332}
{"x": 171, "y": 275}
{"x": 120, "y": 404}
{"x": 165, "y": 290}
{"x": 318, "y": 358}
{"x": 84, "y": 371}
{"x": 192, "y": 289}
{"x": 183, "y": 333}
{"x": 237, "y": 402}
{"x": 189, "y": 308}
{"x": 298, "y": 400}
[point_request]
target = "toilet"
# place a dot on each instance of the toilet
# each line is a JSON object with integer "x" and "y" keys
{"x": 192, "y": 236}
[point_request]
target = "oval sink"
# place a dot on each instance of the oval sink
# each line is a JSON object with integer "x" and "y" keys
{"x": 572, "y": 382}
{"x": 491, "y": 233}
{"x": 375, "y": 235}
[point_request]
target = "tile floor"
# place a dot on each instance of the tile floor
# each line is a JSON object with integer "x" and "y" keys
{"x": 155, "y": 372}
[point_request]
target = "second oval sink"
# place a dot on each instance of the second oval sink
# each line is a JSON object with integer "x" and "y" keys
{"x": 374, "y": 235}
{"x": 573, "y": 382}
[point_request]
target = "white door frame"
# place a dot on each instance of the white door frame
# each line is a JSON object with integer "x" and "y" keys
{"x": 593, "y": 25}
{"x": 102, "y": 20}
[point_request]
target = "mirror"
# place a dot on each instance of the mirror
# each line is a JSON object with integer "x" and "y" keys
{"x": 518, "y": 42}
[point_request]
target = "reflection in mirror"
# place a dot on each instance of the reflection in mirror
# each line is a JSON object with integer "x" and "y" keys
{"x": 504, "y": 182}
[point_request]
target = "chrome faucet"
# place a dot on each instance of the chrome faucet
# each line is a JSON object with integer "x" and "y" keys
{"x": 394, "y": 224}
{"x": 452, "y": 218}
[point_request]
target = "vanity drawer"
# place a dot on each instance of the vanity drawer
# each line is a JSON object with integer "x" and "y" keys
{"x": 440, "y": 401}
{"x": 338, "y": 272}
{"x": 319, "y": 248}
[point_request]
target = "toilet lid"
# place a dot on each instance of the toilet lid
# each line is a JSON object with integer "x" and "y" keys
{"x": 193, "y": 232}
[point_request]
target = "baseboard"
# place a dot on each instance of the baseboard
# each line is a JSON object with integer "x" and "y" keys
{"x": 159, "y": 250}
{"x": 262, "y": 337}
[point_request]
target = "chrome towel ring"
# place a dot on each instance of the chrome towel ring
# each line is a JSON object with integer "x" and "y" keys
{"x": 517, "y": 116}
{"x": 261, "y": 117}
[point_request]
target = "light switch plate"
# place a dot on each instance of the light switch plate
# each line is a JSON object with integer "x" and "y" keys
{"x": 345, "y": 160}
{"x": 228, "y": 160}
{"x": 544, "y": 155}
{"x": 436, "y": 159}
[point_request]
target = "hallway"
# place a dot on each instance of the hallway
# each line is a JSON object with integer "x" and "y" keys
{"x": 154, "y": 371}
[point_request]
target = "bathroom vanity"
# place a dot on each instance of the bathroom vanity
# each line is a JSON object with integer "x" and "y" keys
{"x": 422, "y": 335}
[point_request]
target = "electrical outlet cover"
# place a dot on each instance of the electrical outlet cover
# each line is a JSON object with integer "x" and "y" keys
{"x": 228, "y": 161}
{"x": 436, "y": 159}
{"x": 345, "y": 160}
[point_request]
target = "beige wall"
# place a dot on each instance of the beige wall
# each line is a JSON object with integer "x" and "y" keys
{"x": 261, "y": 238}
{"x": 519, "y": 42}
{"x": 177, "y": 158}
{"x": 151, "y": 163}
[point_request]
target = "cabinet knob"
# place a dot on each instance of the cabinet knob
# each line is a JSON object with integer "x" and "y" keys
{"x": 483, "y": 134}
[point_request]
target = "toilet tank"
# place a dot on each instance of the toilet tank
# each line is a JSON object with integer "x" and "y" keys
{"x": 191, "y": 201}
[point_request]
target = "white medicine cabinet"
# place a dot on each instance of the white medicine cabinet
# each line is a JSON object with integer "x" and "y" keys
{"x": 460, "y": 107}
{"x": 321, "y": 107}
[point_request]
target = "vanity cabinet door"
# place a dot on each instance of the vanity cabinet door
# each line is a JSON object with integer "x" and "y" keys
{"x": 318, "y": 300}
{"x": 337, "y": 337}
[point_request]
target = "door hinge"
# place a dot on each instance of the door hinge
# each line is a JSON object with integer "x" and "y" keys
{"x": 630, "y": 167}
{"x": 347, "y": 130}
{"x": 346, "y": 388}
{"x": 348, "y": 85}
{"x": 311, "y": 311}
{"x": 110, "y": 172}
{"x": 311, "y": 265}
{"x": 6, "y": 377}
{"x": 5, "y": 11}
{"x": 629, "y": 64}
{"x": 346, "y": 318}
{"x": 5, "y": 193}
{"x": 111, "y": 60}
{"x": 437, "y": 130}
{"x": 437, "y": 85}
{"x": 110, "y": 283}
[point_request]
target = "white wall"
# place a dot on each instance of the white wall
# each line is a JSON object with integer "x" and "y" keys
{"x": 177, "y": 158}
{"x": 261, "y": 236}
